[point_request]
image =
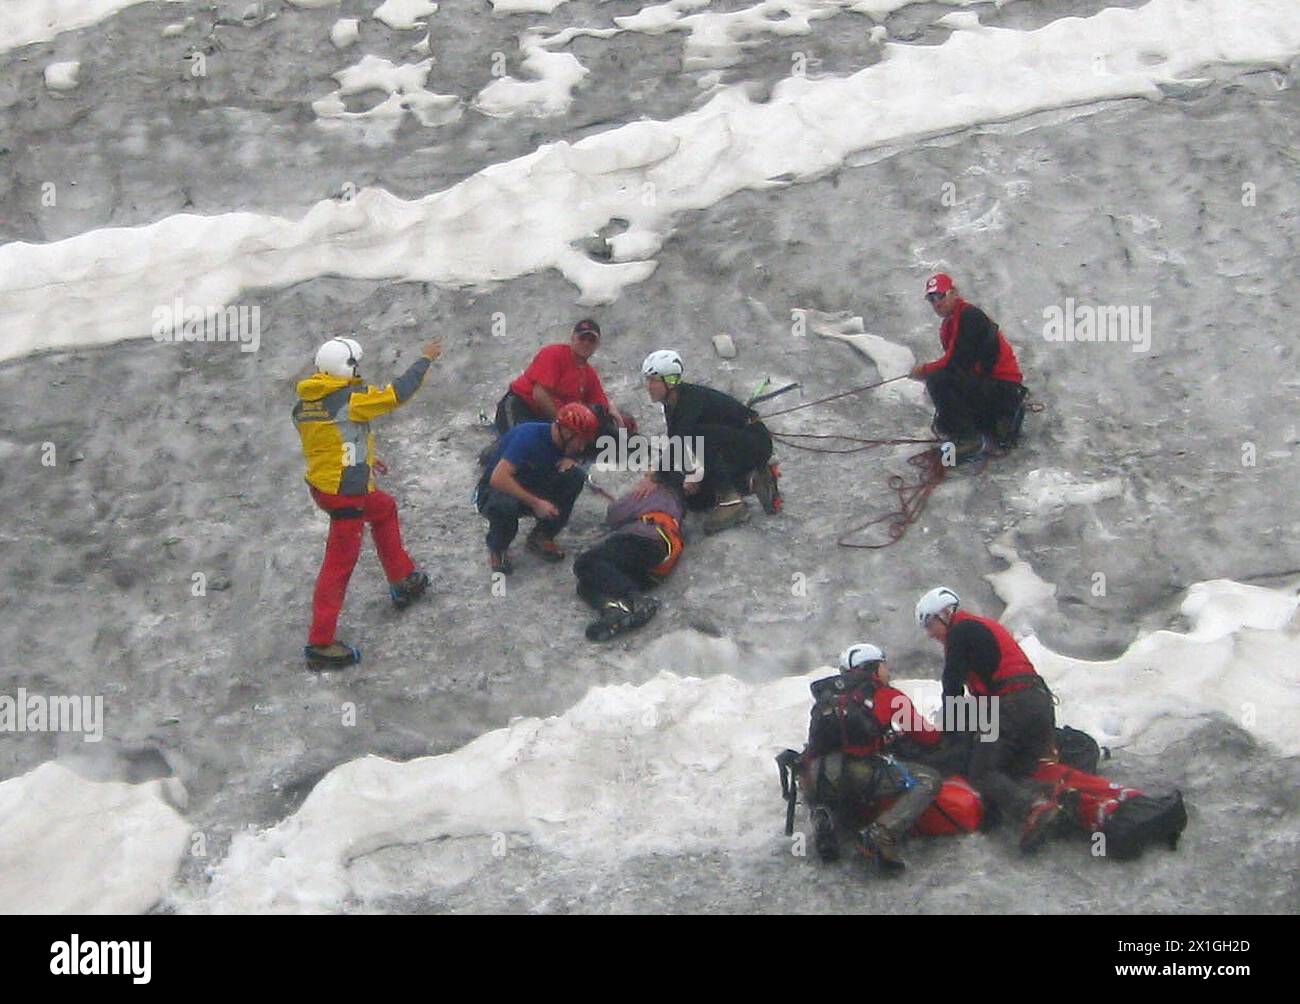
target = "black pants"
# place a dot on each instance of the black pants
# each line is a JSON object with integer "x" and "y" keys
{"x": 731, "y": 454}
{"x": 504, "y": 511}
{"x": 966, "y": 404}
{"x": 617, "y": 567}
{"x": 1001, "y": 769}
{"x": 513, "y": 410}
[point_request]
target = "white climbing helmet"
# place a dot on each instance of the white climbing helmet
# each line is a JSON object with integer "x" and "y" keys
{"x": 935, "y": 602}
{"x": 860, "y": 656}
{"x": 340, "y": 357}
{"x": 665, "y": 364}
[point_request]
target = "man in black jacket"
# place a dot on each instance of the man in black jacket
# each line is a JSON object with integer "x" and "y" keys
{"x": 736, "y": 446}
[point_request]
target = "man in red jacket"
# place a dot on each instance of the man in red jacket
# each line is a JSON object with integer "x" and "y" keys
{"x": 559, "y": 374}
{"x": 976, "y": 385}
{"x": 981, "y": 656}
{"x": 859, "y": 740}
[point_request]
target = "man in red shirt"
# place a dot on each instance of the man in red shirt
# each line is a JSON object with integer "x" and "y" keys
{"x": 861, "y": 738}
{"x": 976, "y": 385}
{"x": 979, "y": 655}
{"x": 559, "y": 374}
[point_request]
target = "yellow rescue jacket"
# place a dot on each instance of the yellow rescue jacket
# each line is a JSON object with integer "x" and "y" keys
{"x": 333, "y": 416}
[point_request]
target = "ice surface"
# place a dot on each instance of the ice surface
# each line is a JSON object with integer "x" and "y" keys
{"x": 523, "y": 216}
{"x": 173, "y": 458}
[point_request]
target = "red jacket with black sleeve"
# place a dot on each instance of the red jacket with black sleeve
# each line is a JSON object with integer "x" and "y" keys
{"x": 972, "y": 343}
{"x": 980, "y": 654}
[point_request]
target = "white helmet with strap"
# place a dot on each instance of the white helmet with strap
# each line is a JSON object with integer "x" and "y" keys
{"x": 937, "y": 601}
{"x": 665, "y": 364}
{"x": 340, "y": 357}
{"x": 860, "y": 656}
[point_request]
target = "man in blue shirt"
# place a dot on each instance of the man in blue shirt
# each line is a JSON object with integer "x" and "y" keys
{"x": 532, "y": 469}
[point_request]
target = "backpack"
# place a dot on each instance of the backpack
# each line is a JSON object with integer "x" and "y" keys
{"x": 839, "y": 717}
{"x": 1143, "y": 820}
{"x": 1077, "y": 749}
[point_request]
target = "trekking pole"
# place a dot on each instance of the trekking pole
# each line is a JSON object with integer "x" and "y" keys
{"x": 786, "y": 764}
{"x": 759, "y": 397}
{"x": 835, "y": 397}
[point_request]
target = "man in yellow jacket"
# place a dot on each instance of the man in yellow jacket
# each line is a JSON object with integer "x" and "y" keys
{"x": 332, "y": 416}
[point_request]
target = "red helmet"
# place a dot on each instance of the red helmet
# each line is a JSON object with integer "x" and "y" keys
{"x": 579, "y": 419}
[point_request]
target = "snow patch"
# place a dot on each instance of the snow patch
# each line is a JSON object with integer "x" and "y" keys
{"x": 62, "y": 76}
{"x": 345, "y": 31}
{"x": 1019, "y": 587}
{"x": 890, "y": 359}
{"x": 1241, "y": 659}
{"x": 404, "y": 15}
{"x": 404, "y": 85}
{"x": 23, "y": 22}
{"x": 69, "y": 846}
{"x": 1044, "y": 490}
{"x": 558, "y": 73}
{"x": 629, "y": 770}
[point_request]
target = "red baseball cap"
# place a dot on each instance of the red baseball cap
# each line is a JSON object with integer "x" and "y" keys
{"x": 940, "y": 282}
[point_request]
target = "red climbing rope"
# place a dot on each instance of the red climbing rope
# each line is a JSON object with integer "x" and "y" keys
{"x": 912, "y": 497}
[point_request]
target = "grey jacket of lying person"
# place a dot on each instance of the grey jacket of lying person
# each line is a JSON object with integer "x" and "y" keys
{"x": 624, "y": 513}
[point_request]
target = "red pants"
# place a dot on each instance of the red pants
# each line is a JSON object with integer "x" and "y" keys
{"x": 1098, "y": 797}
{"x": 348, "y": 516}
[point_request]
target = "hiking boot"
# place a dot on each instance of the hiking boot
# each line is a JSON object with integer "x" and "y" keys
{"x": 969, "y": 448}
{"x": 1004, "y": 431}
{"x": 1069, "y": 799}
{"x": 621, "y": 616}
{"x": 825, "y": 842}
{"x": 763, "y": 483}
{"x": 335, "y": 655}
{"x": 499, "y": 561}
{"x": 730, "y": 511}
{"x": 544, "y": 547}
{"x": 1041, "y": 823}
{"x": 880, "y": 848}
{"x": 409, "y": 590}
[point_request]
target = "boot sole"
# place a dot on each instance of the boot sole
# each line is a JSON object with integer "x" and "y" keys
{"x": 824, "y": 841}
{"x": 319, "y": 663}
{"x": 1032, "y": 842}
{"x": 638, "y": 618}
